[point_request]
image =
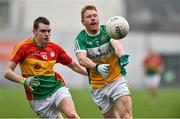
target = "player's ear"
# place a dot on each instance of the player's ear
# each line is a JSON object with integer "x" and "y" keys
{"x": 82, "y": 21}
{"x": 33, "y": 30}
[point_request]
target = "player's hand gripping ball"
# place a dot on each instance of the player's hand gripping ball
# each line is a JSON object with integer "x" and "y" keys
{"x": 117, "y": 27}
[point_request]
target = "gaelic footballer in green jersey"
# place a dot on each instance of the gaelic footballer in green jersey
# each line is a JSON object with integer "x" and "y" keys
{"x": 99, "y": 49}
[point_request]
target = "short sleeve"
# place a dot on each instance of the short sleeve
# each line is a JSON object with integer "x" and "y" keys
{"x": 80, "y": 45}
{"x": 18, "y": 54}
{"x": 63, "y": 57}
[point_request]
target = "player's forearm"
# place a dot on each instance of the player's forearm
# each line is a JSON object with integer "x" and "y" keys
{"x": 10, "y": 75}
{"x": 77, "y": 68}
{"x": 86, "y": 62}
{"x": 118, "y": 47}
{"x": 80, "y": 69}
{"x": 119, "y": 50}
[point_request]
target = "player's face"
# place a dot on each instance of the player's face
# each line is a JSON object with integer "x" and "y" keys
{"x": 91, "y": 21}
{"x": 42, "y": 34}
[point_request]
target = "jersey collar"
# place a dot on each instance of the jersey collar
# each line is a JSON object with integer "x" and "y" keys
{"x": 36, "y": 44}
{"x": 92, "y": 34}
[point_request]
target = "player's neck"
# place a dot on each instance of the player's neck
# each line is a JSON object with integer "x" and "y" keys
{"x": 93, "y": 33}
{"x": 39, "y": 44}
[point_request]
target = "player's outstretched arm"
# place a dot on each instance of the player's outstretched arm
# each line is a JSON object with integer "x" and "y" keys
{"x": 122, "y": 57}
{"x": 77, "y": 68}
{"x": 11, "y": 75}
{"x": 118, "y": 47}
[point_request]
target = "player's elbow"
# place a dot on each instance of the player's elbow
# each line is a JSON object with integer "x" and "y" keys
{"x": 6, "y": 74}
{"x": 81, "y": 62}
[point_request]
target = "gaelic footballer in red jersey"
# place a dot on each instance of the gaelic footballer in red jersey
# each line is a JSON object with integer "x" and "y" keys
{"x": 44, "y": 87}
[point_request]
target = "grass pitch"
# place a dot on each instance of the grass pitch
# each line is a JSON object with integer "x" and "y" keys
{"x": 13, "y": 104}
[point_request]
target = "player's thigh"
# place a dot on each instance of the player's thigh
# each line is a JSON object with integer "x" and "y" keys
{"x": 123, "y": 103}
{"x": 67, "y": 105}
{"x": 111, "y": 113}
{"x": 45, "y": 108}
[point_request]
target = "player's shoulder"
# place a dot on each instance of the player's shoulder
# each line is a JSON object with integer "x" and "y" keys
{"x": 81, "y": 35}
{"x": 103, "y": 27}
{"x": 24, "y": 42}
{"x": 54, "y": 45}
{"x": 51, "y": 42}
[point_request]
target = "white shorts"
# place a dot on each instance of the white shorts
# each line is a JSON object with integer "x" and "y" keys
{"x": 152, "y": 80}
{"x": 104, "y": 97}
{"x": 48, "y": 108}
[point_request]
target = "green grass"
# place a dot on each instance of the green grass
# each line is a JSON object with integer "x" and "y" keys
{"x": 167, "y": 104}
{"x": 13, "y": 104}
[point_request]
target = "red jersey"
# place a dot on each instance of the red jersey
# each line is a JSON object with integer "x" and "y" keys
{"x": 38, "y": 62}
{"x": 152, "y": 63}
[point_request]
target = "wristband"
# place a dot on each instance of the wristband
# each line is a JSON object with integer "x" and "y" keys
{"x": 23, "y": 80}
{"x": 96, "y": 67}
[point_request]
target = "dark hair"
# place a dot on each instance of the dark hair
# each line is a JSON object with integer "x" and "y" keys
{"x": 40, "y": 20}
{"x": 87, "y": 7}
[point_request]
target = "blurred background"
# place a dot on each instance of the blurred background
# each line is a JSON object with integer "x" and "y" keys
{"x": 153, "y": 24}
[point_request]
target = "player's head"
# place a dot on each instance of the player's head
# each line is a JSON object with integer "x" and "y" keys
{"x": 39, "y": 20}
{"x": 87, "y": 7}
{"x": 90, "y": 18}
{"x": 41, "y": 30}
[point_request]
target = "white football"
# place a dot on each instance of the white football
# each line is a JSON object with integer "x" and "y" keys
{"x": 117, "y": 27}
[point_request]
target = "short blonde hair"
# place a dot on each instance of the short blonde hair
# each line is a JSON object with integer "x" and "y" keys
{"x": 87, "y": 7}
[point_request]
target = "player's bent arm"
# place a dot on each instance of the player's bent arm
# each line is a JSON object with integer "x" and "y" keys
{"x": 88, "y": 63}
{"x": 118, "y": 47}
{"x": 77, "y": 68}
{"x": 85, "y": 61}
{"x": 11, "y": 75}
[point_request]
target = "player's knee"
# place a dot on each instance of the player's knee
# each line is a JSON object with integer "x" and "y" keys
{"x": 72, "y": 115}
{"x": 127, "y": 110}
{"x": 126, "y": 113}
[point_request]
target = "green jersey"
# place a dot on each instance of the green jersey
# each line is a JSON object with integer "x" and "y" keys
{"x": 99, "y": 50}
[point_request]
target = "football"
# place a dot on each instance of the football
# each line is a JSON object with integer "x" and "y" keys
{"x": 117, "y": 27}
